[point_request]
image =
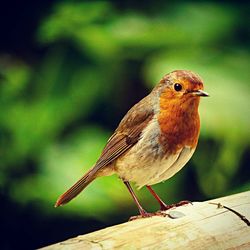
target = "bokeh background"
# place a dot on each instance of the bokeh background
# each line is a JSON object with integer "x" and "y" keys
{"x": 70, "y": 70}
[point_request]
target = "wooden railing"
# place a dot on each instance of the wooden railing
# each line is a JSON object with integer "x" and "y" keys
{"x": 222, "y": 223}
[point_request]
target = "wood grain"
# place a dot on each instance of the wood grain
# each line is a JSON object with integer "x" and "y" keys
{"x": 198, "y": 226}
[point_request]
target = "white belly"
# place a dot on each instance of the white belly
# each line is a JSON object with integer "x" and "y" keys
{"x": 145, "y": 166}
{"x": 183, "y": 157}
{"x": 144, "y": 172}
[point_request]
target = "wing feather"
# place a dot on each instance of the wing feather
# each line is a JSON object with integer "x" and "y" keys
{"x": 126, "y": 135}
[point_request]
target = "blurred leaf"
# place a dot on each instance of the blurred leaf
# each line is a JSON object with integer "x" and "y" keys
{"x": 106, "y": 35}
{"x": 14, "y": 77}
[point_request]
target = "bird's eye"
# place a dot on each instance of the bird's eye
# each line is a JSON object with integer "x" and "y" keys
{"x": 177, "y": 87}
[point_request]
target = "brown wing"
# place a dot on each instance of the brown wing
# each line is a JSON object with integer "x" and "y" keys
{"x": 126, "y": 135}
{"x": 120, "y": 143}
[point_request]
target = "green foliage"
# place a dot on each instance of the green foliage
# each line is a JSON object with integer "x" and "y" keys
{"x": 46, "y": 109}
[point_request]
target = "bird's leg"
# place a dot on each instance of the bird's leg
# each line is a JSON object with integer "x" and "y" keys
{"x": 159, "y": 200}
{"x": 163, "y": 205}
{"x": 141, "y": 210}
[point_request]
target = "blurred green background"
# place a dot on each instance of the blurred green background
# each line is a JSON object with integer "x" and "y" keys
{"x": 70, "y": 70}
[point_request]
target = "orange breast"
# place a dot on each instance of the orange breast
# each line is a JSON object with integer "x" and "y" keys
{"x": 179, "y": 121}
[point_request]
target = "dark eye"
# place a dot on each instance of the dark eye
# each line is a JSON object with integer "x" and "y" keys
{"x": 177, "y": 87}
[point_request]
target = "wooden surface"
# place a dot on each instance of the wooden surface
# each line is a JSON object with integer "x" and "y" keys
{"x": 198, "y": 226}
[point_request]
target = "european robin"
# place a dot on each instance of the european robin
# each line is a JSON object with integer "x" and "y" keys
{"x": 154, "y": 140}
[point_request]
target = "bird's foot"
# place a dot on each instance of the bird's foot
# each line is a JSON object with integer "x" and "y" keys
{"x": 165, "y": 207}
{"x": 181, "y": 203}
{"x": 147, "y": 215}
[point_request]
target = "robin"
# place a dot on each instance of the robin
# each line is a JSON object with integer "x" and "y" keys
{"x": 154, "y": 140}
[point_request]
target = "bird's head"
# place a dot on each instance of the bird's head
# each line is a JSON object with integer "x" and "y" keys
{"x": 182, "y": 84}
{"x": 180, "y": 89}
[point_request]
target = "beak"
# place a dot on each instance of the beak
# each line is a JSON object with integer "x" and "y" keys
{"x": 200, "y": 92}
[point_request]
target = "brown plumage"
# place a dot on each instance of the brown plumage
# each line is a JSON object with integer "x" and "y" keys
{"x": 155, "y": 138}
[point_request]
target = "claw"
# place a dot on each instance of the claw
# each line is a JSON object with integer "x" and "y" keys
{"x": 165, "y": 207}
{"x": 147, "y": 215}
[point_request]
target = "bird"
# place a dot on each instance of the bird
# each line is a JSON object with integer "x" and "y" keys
{"x": 153, "y": 141}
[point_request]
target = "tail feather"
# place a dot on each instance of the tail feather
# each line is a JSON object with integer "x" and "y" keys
{"x": 76, "y": 188}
